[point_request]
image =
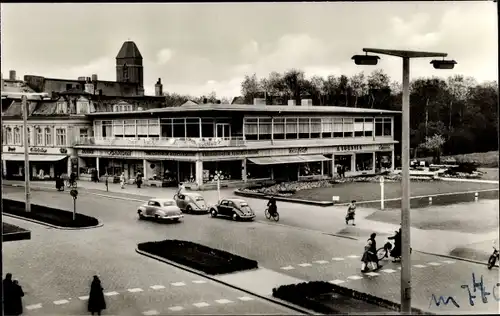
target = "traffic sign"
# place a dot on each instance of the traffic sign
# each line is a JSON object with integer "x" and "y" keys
{"x": 74, "y": 193}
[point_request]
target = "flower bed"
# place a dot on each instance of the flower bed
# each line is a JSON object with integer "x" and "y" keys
{"x": 209, "y": 260}
{"x": 12, "y": 232}
{"x": 319, "y": 297}
{"x": 48, "y": 215}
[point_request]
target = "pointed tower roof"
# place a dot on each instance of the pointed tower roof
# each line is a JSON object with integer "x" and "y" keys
{"x": 129, "y": 50}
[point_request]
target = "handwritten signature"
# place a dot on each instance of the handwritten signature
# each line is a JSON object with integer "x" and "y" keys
{"x": 472, "y": 291}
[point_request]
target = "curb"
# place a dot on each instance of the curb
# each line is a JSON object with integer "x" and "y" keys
{"x": 454, "y": 257}
{"x": 51, "y": 225}
{"x": 283, "y": 199}
{"x": 17, "y": 236}
{"x": 272, "y": 300}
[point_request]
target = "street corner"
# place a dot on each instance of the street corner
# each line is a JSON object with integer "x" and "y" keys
{"x": 480, "y": 251}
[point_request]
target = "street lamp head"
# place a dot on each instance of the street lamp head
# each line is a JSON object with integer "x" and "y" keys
{"x": 443, "y": 64}
{"x": 370, "y": 60}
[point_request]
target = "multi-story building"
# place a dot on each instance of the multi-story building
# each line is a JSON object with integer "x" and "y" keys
{"x": 245, "y": 143}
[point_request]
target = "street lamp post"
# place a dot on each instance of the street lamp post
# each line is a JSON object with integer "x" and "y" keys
{"x": 405, "y": 154}
{"x": 25, "y": 110}
{"x": 218, "y": 177}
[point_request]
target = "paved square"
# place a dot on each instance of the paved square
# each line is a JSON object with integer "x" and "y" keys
{"x": 60, "y": 302}
{"x": 388, "y": 270}
{"x": 201, "y": 304}
{"x": 288, "y": 268}
{"x": 34, "y": 306}
{"x": 435, "y": 264}
{"x": 151, "y": 312}
{"x": 336, "y": 281}
{"x": 353, "y": 256}
{"x": 111, "y": 293}
{"x": 419, "y": 266}
{"x": 372, "y": 274}
{"x": 321, "y": 262}
{"x": 338, "y": 259}
{"x": 354, "y": 277}
{"x": 83, "y": 298}
{"x": 199, "y": 281}
{"x": 448, "y": 261}
{"x": 223, "y": 301}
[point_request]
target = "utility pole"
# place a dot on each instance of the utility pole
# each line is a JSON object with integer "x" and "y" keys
{"x": 24, "y": 102}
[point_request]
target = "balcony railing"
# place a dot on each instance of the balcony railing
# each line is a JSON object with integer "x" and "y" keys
{"x": 212, "y": 142}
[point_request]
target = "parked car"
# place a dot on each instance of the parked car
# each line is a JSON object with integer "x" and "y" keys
{"x": 235, "y": 208}
{"x": 191, "y": 202}
{"x": 160, "y": 209}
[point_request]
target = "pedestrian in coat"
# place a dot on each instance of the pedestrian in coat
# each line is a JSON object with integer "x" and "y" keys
{"x": 96, "y": 297}
{"x": 122, "y": 180}
{"x": 17, "y": 299}
{"x": 138, "y": 180}
{"x": 8, "y": 286}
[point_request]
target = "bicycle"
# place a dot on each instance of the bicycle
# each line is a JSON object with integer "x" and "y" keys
{"x": 275, "y": 216}
{"x": 71, "y": 185}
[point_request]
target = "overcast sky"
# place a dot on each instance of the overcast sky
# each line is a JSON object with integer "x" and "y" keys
{"x": 199, "y": 48}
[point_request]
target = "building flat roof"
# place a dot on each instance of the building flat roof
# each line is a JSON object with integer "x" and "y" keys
{"x": 253, "y": 108}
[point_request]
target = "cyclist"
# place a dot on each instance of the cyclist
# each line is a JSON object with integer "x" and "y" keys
{"x": 72, "y": 179}
{"x": 273, "y": 209}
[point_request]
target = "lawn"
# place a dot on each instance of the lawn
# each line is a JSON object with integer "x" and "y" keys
{"x": 368, "y": 191}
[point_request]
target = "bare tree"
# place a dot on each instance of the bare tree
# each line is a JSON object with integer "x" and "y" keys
{"x": 358, "y": 85}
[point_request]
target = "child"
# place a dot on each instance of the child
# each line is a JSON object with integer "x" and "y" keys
{"x": 351, "y": 211}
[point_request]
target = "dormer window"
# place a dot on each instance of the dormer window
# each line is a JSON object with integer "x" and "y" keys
{"x": 61, "y": 107}
{"x": 122, "y": 107}
{"x": 82, "y": 106}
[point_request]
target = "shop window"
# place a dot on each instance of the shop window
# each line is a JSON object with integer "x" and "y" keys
{"x": 291, "y": 128}
{"x": 358, "y": 127}
{"x": 279, "y": 128}
{"x": 379, "y": 130}
{"x": 364, "y": 162}
{"x": 48, "y": 137}
{"x": 265, "y": 128}
{"x": 8, "y": 136}
{"x": 337, "y": 128}
{"x": 348, "y": 127}
{"x": 61, "y": 137}
{"x": 193, "y": 127}
{"x": 17, "y": 136}
{"x": 387, "y": 127}
{"x": 310, "y": 169}
{"x": 368, "y": 127}
{"x": 304, "y": 128}
{"x": 38, "y": 136}
{"x": 179, "y": 128}
{"x": 251, "y": 128}
{"x": 84, "y": 132}
{"x": 230, "y": 170}
{"x": 326, "y": 127}
{"x": 315, "y": 127}
{"x": 343, "y": 161}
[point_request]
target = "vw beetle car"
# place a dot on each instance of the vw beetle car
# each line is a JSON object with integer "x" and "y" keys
{"x": 237, "y": 209}
{"x": 160, "y": 209}
{"x": 191, "y": 202}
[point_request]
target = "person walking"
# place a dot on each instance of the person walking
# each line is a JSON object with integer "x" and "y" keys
{"x": 138, "y": 179}
{"x": 17, "y": 299}
{"x": 7, "y": 296}
{"x": 370, "y": 254}
{"x": 96, "y": 297}
{"x": 122, "y": 180}
{"x": 351, "y": 212}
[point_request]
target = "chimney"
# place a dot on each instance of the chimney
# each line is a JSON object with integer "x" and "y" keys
{"x": 158, "y": 88}
{"x": 89, "y": 87}
{"x": 292, "y": 102}
{"x": 12, "y": 74}
{"x": 259, "y": 101}
{"x": 81, "y": 78}
{"x": 306, "y": 102}
{"x": 94, "y": 77}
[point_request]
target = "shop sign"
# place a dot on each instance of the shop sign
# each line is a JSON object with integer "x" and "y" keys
{"x": 301, "y": 150}
{"x": 349, "y": 147}
{"x": 384, "y": 147}
{"x": 11, "y": 149}
{"x": 119, "y": 153}
{"x": 170, "y": 153}
{"x": 87, "y": 152}
{"x": 38, "y": 150}
{"x": 231, "y": 153}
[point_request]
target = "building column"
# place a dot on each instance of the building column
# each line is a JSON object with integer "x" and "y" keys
{"x": 333, "y": 167}
{"x": 52, "y": 171}
{"x": 322, "y": 168}
{"x": 353, "y": 162}
{"x": 199, "y": 172}
{"x": 244, "y": 170}
{"x": 374, "y": 165}
{"x": 4, "y": 168}
{"x": 392, "y": 161}
{"x": 68, "y": 171}
{"x": 97, "y": 167}
{"x": 145, "y": 169}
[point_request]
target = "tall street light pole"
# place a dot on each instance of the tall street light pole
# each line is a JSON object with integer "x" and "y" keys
{"x": 25, "y": 111}
{"x": 405, "y": 154}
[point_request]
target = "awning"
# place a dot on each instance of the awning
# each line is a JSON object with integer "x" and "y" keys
{"x": 15, "y": 157}
{"x": 287, "y": 159}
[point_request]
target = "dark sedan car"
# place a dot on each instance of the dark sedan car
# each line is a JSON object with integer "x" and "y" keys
{"x": 237, "y": 209}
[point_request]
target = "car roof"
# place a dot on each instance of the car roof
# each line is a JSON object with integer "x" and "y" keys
{"x": 162, "y": 200}
{"x": 236, "y": 200}
{"x": 192, "y": 194}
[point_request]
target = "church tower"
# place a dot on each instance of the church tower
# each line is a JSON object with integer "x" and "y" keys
{"x": 129, "y": 66}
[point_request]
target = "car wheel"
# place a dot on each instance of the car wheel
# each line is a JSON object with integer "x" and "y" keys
{"x": 157, "y": 217}
{"x": 235, "y": 217}
{"x": 140, "y": 215}
{"x": 189, "y": 209}
{"x": 213, "y": 213}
